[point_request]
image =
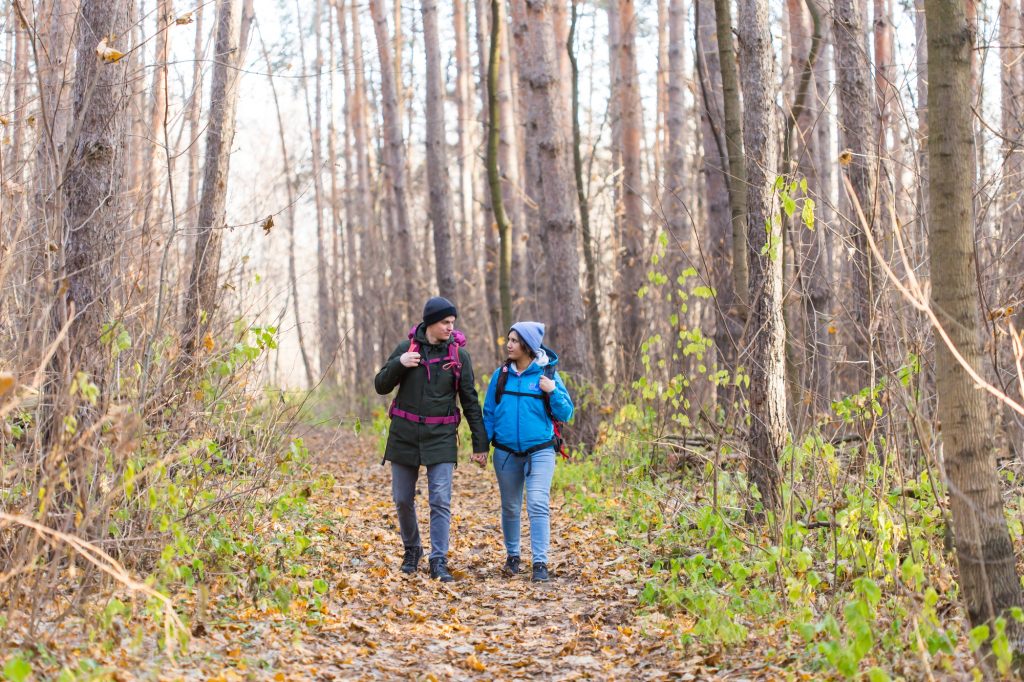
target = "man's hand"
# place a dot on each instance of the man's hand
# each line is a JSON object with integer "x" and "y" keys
{"x": 410, "y": 359}
{"x": 480, "y": 458}
{"x": 547, "y": 384}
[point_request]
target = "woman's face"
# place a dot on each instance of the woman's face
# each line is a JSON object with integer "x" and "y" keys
{"x": 516, "y": 349}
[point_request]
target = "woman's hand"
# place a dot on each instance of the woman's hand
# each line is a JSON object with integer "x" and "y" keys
{"x": 410, "y": 359}
{"x": 480, "y": 458}
{"x": 547, "y": 384}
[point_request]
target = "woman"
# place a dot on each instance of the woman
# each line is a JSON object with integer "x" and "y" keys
{"x": 524, "y": 397}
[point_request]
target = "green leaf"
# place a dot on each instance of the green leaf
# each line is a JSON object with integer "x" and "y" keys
{"x": 807, "y": 213}
{"x": 703, "y": 292}
{"x": 977, "y": 636}
{"x": 876, "y": 674}
{"x": 788, "y": 205}
{"x": 17, "y": 669}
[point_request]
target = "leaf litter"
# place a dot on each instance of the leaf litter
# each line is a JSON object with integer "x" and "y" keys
{"x": 374, "y": 623}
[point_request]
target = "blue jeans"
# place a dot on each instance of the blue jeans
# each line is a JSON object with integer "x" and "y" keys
{"x": 534, "y": 473}
{"x": 439, "y": 493}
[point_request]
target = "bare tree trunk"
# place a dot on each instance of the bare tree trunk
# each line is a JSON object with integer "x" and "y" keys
{"x": 504, "y": 253}
{"x": 661, "y": 112}
{"x": 368, "y": 245}
{"x": 814, "y": 265}
{"x": 466, "y": 131}
{"x": 764, "y": 238}
{"x": 337, "y": 273}
{"x": 681, "y": 244}
{"x": 437, "y": 156}
{"x": 589, "y": 259}
{"x": 491, "y": 285}
{"x": 728, "y": 328}
{"x": 631, "y": 257}
{"x": 527, "y": 286}
{"x": 290, "y": 212}
{"x": 985, "y": 555}
{"x": 327, "y": 317}
{"x": 156, "y": 156}
{"x": 856, "y": 114}
{"x": 201, "y": 297}
{"x": 93, "y": 185}
{"x": 563, "y": 309}
{"x": 734, "y": 148}
{"x": 1011, "y": 38}
{"x": 195, "y": 109}
{"x": 55, "y": 67}
{"x": 395, "y": 159}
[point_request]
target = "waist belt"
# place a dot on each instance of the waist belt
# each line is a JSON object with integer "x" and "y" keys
{"x": 528, "y": 451}
{"x": 393, "y": 412}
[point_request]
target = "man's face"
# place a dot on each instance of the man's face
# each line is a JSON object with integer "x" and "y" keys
{"x": 442, "y": 329}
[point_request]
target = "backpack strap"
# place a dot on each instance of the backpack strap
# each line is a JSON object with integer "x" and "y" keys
{"x": 499, "y": 390}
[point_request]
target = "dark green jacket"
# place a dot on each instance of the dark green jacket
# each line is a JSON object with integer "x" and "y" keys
{"x": 415, "y": 444}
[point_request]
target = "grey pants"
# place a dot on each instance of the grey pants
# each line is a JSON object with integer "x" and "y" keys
{"x": 439, "y": 493}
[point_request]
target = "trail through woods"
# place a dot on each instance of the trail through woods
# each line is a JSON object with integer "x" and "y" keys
{"x": 376, "y": 623}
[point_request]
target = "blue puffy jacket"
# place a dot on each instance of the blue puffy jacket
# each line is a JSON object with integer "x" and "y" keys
{"x": 522, "y": 422}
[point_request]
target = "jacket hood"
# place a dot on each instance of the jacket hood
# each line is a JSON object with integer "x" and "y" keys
{"x": 419, "y": 333}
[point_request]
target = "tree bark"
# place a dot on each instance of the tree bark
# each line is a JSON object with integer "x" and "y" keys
{"x": 814, "y": 264}
{"x": 437, "y": 156}
{"x": 504, "y": 251}
{"x": 734, "y": 148}
{"x": 93, "y": 186}
{"x": 589, "y": 258}
{"x": 394, "y": 164}
{"x": 767, "y": 433}
{"x": 563, "y": 308}
{"x": 631, "y": 257}
{"x": 856, "y": 115}
{"x": 728, "y": 327}
{"x": 985, "y": 552}
{"x": 201, "y": 297}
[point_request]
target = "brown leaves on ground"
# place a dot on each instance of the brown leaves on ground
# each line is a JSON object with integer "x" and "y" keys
{"x": 377, "y": 623}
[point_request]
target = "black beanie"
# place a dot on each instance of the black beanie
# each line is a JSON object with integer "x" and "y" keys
{"x": 437, "y": 309}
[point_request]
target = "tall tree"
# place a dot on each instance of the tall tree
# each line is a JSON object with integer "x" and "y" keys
{"x": 437, "y": 155}
{"x": 734, "y": 149}
{"x": 857, "y": 137}
{"x": 93, "y": 190}
{"x": 813, "y": 266}
{"x": 395, "y": 158}
{"x": 327, "y": 315}
{"x": 631, "y": 261}
{"x": 589, "y": 258}
{"x": 767, "y": 433}
{"x": 728, "y": 326}
{"x": 681, "y": 246}
{"x": 293, "y": 283}
{"x": 201, "y": 295}
{"x": 552, "y": 182}
{"x": 985, "y": 555}
{"x": 504, "y": 251}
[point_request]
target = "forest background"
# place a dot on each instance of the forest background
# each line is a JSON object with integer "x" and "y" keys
{"x": 778, "y": 248}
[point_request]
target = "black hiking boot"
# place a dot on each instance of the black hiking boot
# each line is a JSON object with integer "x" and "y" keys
{"x": 411, "y": 560}
{"x": 540, "y": 572}
{"x": 439, "y": 570}
{"x": 511, "y": 566}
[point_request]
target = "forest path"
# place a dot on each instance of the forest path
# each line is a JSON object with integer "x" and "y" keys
{"x": 335, "y": 606}
{"x": 381, "y": 624}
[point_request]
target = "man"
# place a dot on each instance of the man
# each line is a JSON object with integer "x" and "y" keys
{"x": 431, "y": 370}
